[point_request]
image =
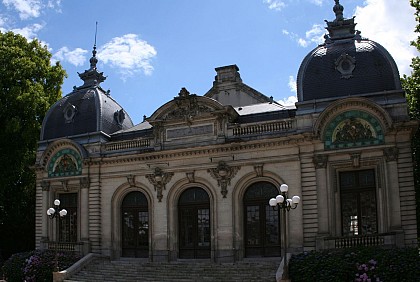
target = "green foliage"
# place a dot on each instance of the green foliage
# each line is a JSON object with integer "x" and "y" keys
{"x": 411, "y": 85}
{"x": 37, "y": 265}
{"x": 353, "y": 264}
{"x": 29, "y": 85}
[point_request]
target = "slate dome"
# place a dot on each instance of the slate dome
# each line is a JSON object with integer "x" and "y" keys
{"x": 87, "y": 109}
{"x": 346, "y": 64}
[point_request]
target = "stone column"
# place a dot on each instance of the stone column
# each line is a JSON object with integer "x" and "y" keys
{"x": 393, "y": 189}
{"x": 84, "y": 213}
{"x": 45, "y": 185}
{"x": 320, "y": 162}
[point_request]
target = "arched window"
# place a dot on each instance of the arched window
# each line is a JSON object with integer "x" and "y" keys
{"x": 358, "y": 203}
{"x": 194, "y": 224}
{"x": 262, "y": 224}
{"x": 135, "y": 225}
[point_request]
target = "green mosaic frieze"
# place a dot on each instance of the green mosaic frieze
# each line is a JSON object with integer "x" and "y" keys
{"x": 353, "y": 129}
{"x": 66, "y": 162}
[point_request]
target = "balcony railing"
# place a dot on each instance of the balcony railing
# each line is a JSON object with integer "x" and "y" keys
{"x": 365, "y": 240}
{"x": 126, "y": 145}
{"x": 263, "y": 128}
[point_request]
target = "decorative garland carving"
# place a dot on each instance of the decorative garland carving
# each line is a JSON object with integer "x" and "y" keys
{"x": 159, "y": 179}
{"x": 223, "y": 174}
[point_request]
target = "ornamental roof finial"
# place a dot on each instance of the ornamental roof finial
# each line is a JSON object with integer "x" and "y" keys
{"x": 93, "y": 61}
{"x": 338, "y": 10}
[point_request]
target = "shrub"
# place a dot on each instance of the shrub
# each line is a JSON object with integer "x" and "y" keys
{"x": 356, "y": 264}
{"x": 37, "y": 265}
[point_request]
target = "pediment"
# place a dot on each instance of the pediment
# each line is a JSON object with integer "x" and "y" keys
{"x": 187, "y": 108}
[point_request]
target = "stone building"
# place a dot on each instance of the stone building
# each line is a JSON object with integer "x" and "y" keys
{"x": 194, "y": 179}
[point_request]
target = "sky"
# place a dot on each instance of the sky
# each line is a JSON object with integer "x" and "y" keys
{"x": 150, "y": 49}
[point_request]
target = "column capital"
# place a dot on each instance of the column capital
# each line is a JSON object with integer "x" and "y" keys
{"x": 391, "y": 154}
{"x": 84, "y": 183}
{"x": 320, "y": 161}
{"x": 45, "y": 184}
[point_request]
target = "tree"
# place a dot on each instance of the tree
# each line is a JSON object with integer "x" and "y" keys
{"x": 411, "y": 85}
{"x": 29, "y": 85}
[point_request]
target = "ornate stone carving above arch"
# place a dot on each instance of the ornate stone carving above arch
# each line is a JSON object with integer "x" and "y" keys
{"x": 57, "y": 146}
{"x": 351, "y": 104}
{"x": 352, "y": 122}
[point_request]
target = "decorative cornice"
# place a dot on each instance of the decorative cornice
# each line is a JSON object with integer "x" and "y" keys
{"x": 159, "y": 179}
{"x": 217, "y": 149}
{"x": 223, "y": 174}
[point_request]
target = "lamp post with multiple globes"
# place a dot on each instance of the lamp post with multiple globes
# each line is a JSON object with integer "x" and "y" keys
{"x": 57, "y": 214}
{"x": 284, "y": 204}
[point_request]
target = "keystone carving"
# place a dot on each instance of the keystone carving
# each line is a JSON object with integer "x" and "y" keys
{"x": 223, "y": 174}
{"x": 159, "y": 179}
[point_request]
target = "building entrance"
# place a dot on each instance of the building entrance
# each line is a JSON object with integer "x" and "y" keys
{"x": 262, "y": 223}
{"x": 194, "y": 224}
{"x": 135, "y": 226}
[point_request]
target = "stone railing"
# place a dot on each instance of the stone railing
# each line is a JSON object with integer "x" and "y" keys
{"x": 65, "y": 246}
{"x": 126, "y": 145}
{"x": 365, "y": 240}
{"x": 264, "y": 128}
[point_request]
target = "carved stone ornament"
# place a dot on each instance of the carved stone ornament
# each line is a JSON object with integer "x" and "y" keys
{"x": 391, "y": 154}
{"x": 191, "y": 176}
{"x": 65, "y": 185}
{"x": 131, "y": 179}
{"x": 259, "y": 168}
{"x": 187, "y": 107}
{"x": 355, "y": 159}
{"x": 345, "y": 65}
{"x": 45, "y": 185}
{"x": 159, "y": 179}
{"x": 84, "y": 182}
{"x": 223, "y": 174}
{"x": 320, "y": 161}
{"x": 119, "y": 117}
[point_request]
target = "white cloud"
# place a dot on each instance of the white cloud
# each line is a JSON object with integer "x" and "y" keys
{"x": 129, "y": 54}
{"x": 75, "y": 57}
{"x": 292, "y": 84}
{"x": 30, "y": 31}
{"x": 317, "y": 2}
{"x": 391, "y": 23}
{"x": 276, "y": 5}
{"x": 314, "y": 35}
{"x": 26, "y": 8}
{"x": 288, "y": 101}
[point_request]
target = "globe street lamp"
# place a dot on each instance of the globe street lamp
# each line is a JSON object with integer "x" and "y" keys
{"x": 284, "y": 204}
{"x": 56, "y": 213}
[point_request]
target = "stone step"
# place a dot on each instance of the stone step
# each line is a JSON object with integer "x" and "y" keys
{"x": 128, "y": 270}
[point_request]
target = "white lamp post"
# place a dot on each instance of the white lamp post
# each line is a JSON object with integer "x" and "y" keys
{"x": 284, "y": 204}
{"x": 56, "y": 213}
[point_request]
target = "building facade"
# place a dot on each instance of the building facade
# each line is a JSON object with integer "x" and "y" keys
{"x": 194, "y": 179}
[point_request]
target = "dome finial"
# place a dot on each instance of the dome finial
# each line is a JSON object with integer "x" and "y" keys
{"x": 94, "y": 60}
{"x": 338, "y": 10}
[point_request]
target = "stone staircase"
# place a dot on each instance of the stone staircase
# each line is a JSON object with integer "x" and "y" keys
{"x": 127, "y": 270}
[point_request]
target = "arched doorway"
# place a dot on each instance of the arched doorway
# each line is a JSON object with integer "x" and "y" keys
{"x": 262, "y": 223}
{"x": 135, "y": 225}
{"x": 194, "y": 224}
